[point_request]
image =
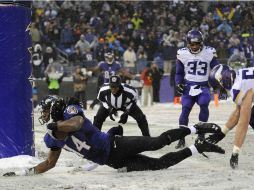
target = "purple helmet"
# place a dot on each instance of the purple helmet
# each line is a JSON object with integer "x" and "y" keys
{"x": 109, "y": 57}
{"x": 222, "y": 77}
{"x": 46, "y": 104}
{"x": 194, "y": 41}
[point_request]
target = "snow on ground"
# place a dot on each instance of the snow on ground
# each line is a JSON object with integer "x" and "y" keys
{"x": 193, "y": 173}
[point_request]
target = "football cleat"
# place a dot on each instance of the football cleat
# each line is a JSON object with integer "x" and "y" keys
{"x": 180, "y": 144}
{"x": 234, "y": 161}
{"x": 204, "y": 146}
{"x": 207, "y": 128}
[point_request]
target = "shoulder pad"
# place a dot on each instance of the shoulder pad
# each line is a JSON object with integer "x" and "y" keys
{"x": 181, "y": 52}
{"x": 211, "y": 49}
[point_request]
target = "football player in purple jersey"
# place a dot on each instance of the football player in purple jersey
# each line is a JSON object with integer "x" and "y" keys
{"x": 72, "y": 131}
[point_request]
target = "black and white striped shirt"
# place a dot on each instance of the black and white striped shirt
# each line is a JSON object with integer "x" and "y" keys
{"x": 123, "y": 100}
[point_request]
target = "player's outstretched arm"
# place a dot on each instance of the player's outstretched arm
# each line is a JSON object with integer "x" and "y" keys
{"x": 231, "y": 123}
{"x": 70, "y": 125}
{"x": 44, "y": 166}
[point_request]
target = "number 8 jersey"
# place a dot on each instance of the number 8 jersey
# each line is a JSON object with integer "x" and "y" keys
{"x": 244, "y": 82}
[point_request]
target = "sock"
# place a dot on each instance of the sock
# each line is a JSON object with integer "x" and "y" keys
{"x": 193, "y": 150}
{"x": 236, "y": 150}
{"x": 193, "y": 130}
{"x": 224, "y": 130}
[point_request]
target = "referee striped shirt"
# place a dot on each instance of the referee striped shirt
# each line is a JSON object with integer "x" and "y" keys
{"x": 123, "y": 100}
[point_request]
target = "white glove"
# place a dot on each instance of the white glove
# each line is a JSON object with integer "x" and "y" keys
{"x": 24, "y": 172}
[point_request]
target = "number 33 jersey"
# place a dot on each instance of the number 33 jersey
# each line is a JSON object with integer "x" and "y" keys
{"x": 196, "y": 67}
{"x": 244, "y": 82}
{"x": 88, "y": 142}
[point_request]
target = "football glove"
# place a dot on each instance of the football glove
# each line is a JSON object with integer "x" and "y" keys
{"x": 215, "y": 138}
{"x": 52, "y": 126}
{"x": 24, "y": 172}
{"x": 112, "y": 111}
{"x": 180, "y": 88}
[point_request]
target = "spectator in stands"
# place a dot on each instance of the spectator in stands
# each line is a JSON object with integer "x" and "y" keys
{"x": 49, "y": 56}
{"x": 130, "y": 59}
{"x": 80, "y": 78}
{"x": 225, "y": 26}
{"x": 137, "y": 21}
{"x": 37, "y": 59}
{"x": 81, "y": 46}
{"x": 35, "y": 33}
{"x": 66, "y": 37}
{"x": 141, "y": 59}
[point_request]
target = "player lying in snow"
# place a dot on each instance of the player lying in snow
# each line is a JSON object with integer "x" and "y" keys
{"x": 70, "y": 129}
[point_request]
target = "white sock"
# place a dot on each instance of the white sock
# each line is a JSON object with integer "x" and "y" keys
{"x": 236, "y": 150}
{"x": 224, "y": 130}
{"x": 193, "y": 130}
{"x": 193, "y": 150}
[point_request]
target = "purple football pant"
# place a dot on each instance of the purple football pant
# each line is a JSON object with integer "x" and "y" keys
{"x": 203, "y": 100}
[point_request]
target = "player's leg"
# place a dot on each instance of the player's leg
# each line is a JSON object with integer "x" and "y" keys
{"x": 187, "y": 104}
{"x": 100, "y": 117}
{"x": 203, "y": 101}
{"x": 141, "y": 162}
{"x": 140, "y": 117}
{"x": 128, "y": 146}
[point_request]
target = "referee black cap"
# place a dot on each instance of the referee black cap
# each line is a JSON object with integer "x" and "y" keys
{"x": 115, "y": 81}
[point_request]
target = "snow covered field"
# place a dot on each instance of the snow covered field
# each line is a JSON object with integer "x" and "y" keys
{"x": 193, "y": 173}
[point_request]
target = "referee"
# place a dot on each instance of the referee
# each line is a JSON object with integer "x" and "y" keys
{"x": 117, "y": 96}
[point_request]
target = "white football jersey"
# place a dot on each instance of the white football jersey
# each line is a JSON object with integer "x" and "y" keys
{"x": 196, "y": 66}
{"x": 243, "y": 82}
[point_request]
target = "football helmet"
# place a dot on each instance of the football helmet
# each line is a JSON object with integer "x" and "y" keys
{"x": 45, "y": 105}
{"x": 222, "y": 78}
{"x": 109, "y": 57}
{"x": 194, "y": 41}
{"x": 57, "y": 110}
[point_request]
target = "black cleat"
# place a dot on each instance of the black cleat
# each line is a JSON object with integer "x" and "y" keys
{"x": 207, "y": 128}
{"x": 180, "y": 144}
{"x": 234, "y": 161}
{"x": 204, "y": 146}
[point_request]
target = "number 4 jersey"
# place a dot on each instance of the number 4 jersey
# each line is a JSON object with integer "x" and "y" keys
{"x": 88, "y": 142}
{"x": 244, "y": 82}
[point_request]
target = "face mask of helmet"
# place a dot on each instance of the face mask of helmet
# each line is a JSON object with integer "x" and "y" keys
{"x": 194, "y": 41}
{"x": 109, "y": 58}
{"x": 222, "y": 78}
{"x": 45, "y": 105}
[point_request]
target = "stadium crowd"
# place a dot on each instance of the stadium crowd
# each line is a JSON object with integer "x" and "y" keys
{"x": 140, "y": 33}
{"x": 155, "y": 29}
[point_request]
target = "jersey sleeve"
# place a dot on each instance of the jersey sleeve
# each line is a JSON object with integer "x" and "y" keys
{"x": 52, "y": 142}
{"x": 73, "y": 110}
{"x": 101, "y": 96}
